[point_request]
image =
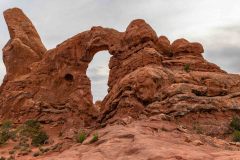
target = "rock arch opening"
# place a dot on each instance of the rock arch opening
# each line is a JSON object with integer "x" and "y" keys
{"x": 98, "y": 72}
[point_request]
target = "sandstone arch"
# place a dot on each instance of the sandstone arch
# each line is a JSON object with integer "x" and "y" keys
{"x": 58, "y": 76}
{"x": 52, "y": 86}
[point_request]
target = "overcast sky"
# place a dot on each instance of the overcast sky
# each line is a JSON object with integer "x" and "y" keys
{"x": 214, "y": 23}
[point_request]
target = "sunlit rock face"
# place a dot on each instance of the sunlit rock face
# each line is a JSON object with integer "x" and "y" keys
{"x": 148, "y": 75}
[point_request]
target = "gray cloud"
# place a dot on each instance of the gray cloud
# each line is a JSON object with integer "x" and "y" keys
{"x": 222, "y": 47}
{"x": 98, "y": 73}
{"x": 93, "y": 74}
{"x": 229, "y": 57}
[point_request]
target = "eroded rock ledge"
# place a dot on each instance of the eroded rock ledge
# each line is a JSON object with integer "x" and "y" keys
{"x": 148, "y": 75}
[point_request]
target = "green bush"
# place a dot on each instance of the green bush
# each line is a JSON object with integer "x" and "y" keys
{"x": 39, "y": 138}
{"x": 5, "y": 132}
{"x": 94, "y": 138}
{"x": 30, "y": 128}
{"x": 33, "y": 124}
{"x": 81, "y": 136}
{"x": 6, "y": 124}
{"x": 235, "y": 123}
{"x": 4, "y": 136}
{"x": 236, "y": 136}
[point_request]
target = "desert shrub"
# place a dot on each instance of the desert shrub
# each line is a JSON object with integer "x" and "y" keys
{"x": 94, "y": 138}
{"x": 32, "y": 129}
{"x": 4, "y": 136}
{"x": 235, "y": 123}
{"x": 33, "y": 124}
{"x": 81, "y": 136}
{"x": 236, "y": 136}
{"x": 39, "y": 138}
{"x": 6, "y": 124}
{"x": 29, "y": 128}
{"x": 186, "y": 67}
{"x": 5, "y": 132}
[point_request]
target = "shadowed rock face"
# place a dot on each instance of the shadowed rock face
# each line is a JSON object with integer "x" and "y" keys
{"x": 148, "y": 75}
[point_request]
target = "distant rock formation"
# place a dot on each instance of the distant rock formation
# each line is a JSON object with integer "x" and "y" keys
{"x": 148, "y": 75}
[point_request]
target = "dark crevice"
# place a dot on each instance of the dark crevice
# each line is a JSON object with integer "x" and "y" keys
{"x": 199, "y": 93}
{"x": 68, "y": 77}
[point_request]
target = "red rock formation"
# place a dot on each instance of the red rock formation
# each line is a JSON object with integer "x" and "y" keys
{"x": 25, "y": 46}
{"x": 149, "y": 76}
{"x": 145, "y": 71}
